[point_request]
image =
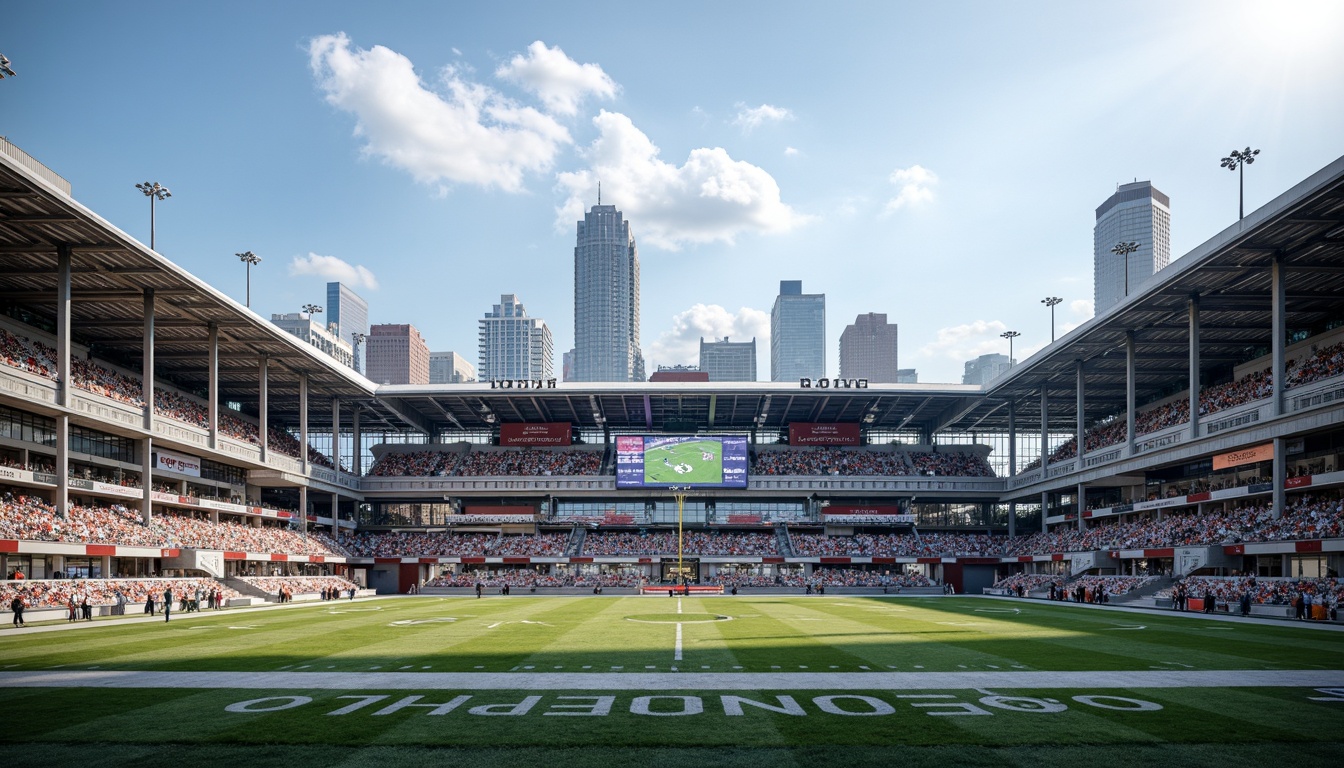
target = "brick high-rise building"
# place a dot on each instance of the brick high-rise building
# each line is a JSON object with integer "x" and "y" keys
{"x": 868, "y": 349}
{"x": 396, "y": 354}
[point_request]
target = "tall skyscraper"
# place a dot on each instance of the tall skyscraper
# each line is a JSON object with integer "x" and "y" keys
{"x": 797, "y": 333}
{"x": 397, "y": 355}
{"x": 606, "y": 299}
{"x": 868, "y": 349}
{"x": 1136, "y": 213}
{"x": 726, "y": 360}
{"x": 350, "y": 314}
{"x": 513, "y": 345}
{"x": 985, "y": 368}
{"x": 450, "y": 368}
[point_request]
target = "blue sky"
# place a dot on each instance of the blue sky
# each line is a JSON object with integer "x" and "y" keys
{"x": 938, "y": 162}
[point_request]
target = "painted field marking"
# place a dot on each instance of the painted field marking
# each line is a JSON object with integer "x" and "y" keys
{"x": 998, "y": 610}
{"x": 678, "y": 605}
{"x": 676, "y": 656}
{"x": 1130, "y": 626}
{"x": 1332, "y": 681}
{"x": 413, "y": 622}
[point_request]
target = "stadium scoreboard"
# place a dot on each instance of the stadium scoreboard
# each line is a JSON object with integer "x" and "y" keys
{"x": 644, "y": 461}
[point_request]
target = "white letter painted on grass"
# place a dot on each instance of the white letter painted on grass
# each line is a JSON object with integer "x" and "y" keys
{"x": 732, "y": 706}
{"x": 965, "y": 707}
{"x": 690, "y": 705}
{"x": 507, "y": 710}
{"x": 1128, "y": 705}
{"x": 878, "y": 707}
{"x": 1023, "y": 704}
{"x": 363, "y": 702}
{"x": 254, "y": 705}
{"x": 600, "y": 706}
{"x": 434, "y": 709}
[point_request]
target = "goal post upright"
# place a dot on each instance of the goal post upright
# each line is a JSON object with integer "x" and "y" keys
{"x": 679, "y": 493}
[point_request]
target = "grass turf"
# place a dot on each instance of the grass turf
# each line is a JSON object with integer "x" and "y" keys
{"x": 605, "y": 635}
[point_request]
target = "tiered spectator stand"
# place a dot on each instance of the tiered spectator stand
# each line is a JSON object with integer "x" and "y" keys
{"x": 102, "y": 595}
{"x": 277, "y": 468}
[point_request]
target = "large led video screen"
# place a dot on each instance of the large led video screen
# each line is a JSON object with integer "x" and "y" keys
{"x": 643, "y": 461}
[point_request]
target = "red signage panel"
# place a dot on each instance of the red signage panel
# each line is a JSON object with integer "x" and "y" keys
{"x": 549, "y": 433}
{"x": 809, "y": 433}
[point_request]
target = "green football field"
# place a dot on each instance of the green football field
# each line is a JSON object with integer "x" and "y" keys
{"x": 750, "y": 681}
{"x": 660, "y": 464}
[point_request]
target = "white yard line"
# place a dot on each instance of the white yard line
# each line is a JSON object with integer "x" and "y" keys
{"x": 678, "y": 605}
{"x": 677, "y": 655}
{"x": 680, "y": 681}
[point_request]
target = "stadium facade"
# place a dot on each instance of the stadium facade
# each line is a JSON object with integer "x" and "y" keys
{"x": 181, "y": 404}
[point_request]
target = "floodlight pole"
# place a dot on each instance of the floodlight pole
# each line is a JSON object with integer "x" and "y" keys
{"x": 1052, "y": 302}
{"x": 1237, "y": 160}
{"x": 1123, "y": 250}
{"x": 154, "y": 191}
{"x": 1010, "y": 335}
{"x": 249, "y": 258}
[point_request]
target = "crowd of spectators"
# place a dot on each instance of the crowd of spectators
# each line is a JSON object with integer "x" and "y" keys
{"x": 526, "y": 577}
{"x": 1262, "y": 591}
{"x": 1306, "y": 517}
{"x": 831, "y": 461}
{"x": 1099, "y": 589}
{"x": 413, "y": 544}
{"x": 538, "y": 545}
{"x": 695, "y": 542}
{"x": 950, "y": 464}
{"x": 414, "y": 464}
{"x": 57, "y": 593}
{"x": 529, "y": 462}
{"x": 1022, "y": 583}
{"x": 300, "y": 585}
{"x": 930, "y": 544}
{"x": 854, "y": 577}
{"x": 31, "y": 518}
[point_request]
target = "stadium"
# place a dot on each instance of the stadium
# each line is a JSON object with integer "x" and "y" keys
{"x": 908, "y": 554}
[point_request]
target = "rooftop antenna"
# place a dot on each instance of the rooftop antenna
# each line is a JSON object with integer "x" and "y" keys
{"x": 599, "y": 192}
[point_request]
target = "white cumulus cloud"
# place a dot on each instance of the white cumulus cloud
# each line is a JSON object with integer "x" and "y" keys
{"x": 751, "y": 118}
{"x": 915, "y": 185}
{"x": 681, "y": 344}
{"x": 464, "y": 132}
{"x": 968, "y": 341}
{"x": 333, "y": 269}
{"x": 711, "y": 197}
{"x": 559, "y": 81}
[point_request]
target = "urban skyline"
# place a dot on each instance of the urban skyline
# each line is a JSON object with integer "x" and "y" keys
{"x": 606, "y": 298}
{"x": 735, "y": 177}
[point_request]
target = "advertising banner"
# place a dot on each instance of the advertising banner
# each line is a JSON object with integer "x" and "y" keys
{"x": 552, "y": 433}
{"x": 806, "y": 433}
{"x": 1245, "y": 456}
{"x": 177, "y": 462}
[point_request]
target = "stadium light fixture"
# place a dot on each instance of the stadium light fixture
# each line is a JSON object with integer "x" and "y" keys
{"x": 1010, "y": 335}
{"x": 1123, "y": 250}
{"x": 312, "y": 309}
{"x": 154, "y": 191}
{"x": 249, "y": 258}
{"x": 1052, "y": 302}
{"x": 5, "y": 69}
{"x": 1237, "y": 160}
